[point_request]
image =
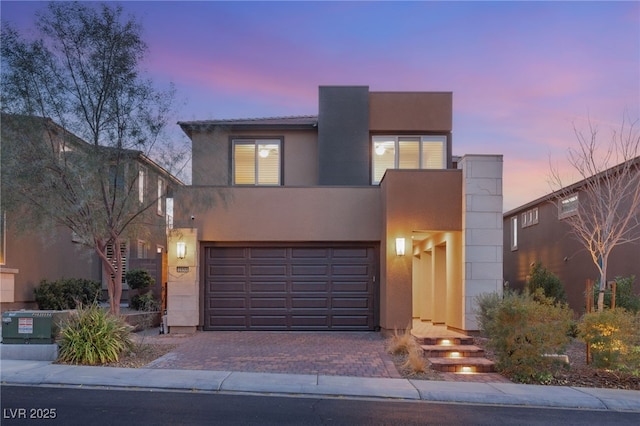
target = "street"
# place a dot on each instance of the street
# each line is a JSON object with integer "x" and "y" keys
{"x": 88, "y": 406}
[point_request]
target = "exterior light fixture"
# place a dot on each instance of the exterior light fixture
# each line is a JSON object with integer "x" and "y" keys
{"x": 181, "y": 249}
{"x": 399, "y": 246}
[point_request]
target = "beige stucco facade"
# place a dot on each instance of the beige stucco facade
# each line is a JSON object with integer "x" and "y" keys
{"x": 450, "y": 218}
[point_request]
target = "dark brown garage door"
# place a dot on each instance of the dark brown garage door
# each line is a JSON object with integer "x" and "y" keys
{"x": 290, "y": 288}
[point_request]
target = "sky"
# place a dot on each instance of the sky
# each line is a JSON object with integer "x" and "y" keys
{"x": 523, "y": 74}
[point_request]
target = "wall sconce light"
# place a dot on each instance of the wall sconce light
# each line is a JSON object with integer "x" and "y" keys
{"x": 399, "y": 246}
{"x": 181, "y": 249}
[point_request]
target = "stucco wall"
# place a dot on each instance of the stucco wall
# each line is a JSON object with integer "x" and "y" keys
{"x": 281, "y": 213}
{"x": 412, "y": 201}
{"x": 410, "y": 111}
{"x": 211, "y": 159}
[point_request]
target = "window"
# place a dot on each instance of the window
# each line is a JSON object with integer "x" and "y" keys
{"x": 160, "y": 194}
{"x": 514, "y": 233}
{"x": 142, "y": 172}
{"x": 256, "y": 161}
{"x": 407, "y": 152}
{"x": 568, "y": 206}
{"x": 112, "y": 258}
{"x": 530, "y": 217}
{"x": 143, "y": 249}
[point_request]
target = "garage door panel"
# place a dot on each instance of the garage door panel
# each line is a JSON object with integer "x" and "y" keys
{"x": 228, "y": 303}
{"x": 268, "y": 253}
{"x": 268, "y": 303}
{"x": 358, "y": 270}
{"x": 309, "y": 253}
{"x": 309, "y": 270}
{"x": 350, "y": 286}
{"x": 351, "y": 253}
{"x": 268, "y": 287}
{"x": 227, "y": 270}
{"x": 227, "y": 286}
{"x": 309, "y": 286}
{"x": 274, "y": 321}
{"x": 351, "y": 303}
{"x": 268, "y": 270}
{"x": 290, "y": 288}
{"x": 309, "y": 302}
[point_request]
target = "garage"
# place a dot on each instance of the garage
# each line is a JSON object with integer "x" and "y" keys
{"x": 293, "y": 287}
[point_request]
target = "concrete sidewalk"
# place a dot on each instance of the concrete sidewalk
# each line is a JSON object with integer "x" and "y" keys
{"x": 46, "y": 373}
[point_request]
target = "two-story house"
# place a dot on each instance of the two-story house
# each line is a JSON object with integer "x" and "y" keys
{"x": 538, "y": 232}
{"x": 28, "y": 257}
{"x": 358, "y": 218}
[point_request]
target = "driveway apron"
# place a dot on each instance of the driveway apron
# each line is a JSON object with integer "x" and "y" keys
{"x": 359, "y": 354}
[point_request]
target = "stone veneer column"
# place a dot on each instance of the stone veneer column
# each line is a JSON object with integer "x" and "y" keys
{"x": 481, "y": 230}
{"x": 183, "y": 289}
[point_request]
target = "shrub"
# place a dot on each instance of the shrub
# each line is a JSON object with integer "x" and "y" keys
{"x": 401, "y": 343}
{"x": 626, "y": 297}
{"x": 93, "y": 336}
{"x": 139, "y": 279}
{"x": 614, "y": 338}
{"x": 144, "y": 302}
{"x": 487, "y": 304}
{"x": 522, "y": 329}
{"x": 540, "y": 277}
{"x": 66, "y": 293}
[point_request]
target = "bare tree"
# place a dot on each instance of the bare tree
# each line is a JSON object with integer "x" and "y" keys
{"x": 82, "y": 73}
{"x": 607, "y": 207}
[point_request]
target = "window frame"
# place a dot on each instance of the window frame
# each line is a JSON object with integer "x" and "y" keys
{"x": 142, "y": 183}
{"x": 397, "y": 139}
{"x": 530, "y": 217}
{"x": 159, "y": 209}
{"x": 573, "y": 201}
{"x": 256, "y": 141}
{"x": 514, "y": 233}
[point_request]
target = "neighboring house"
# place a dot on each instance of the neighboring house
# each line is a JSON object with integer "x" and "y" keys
{"x": 538, "y": 232}
{"x": 358, "y": 218}
{"x": 27, "y": 258}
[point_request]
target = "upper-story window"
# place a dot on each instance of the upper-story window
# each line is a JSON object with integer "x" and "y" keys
{"x": 568, "y": 206}
{"x": 514, "y": 233}
{"x": 407, "y": 152}
{"x": 160, "y": 195}
{"x": 530, "y": 217}
{"x": 257, "y": 161}
{"x": 142, "y": 181}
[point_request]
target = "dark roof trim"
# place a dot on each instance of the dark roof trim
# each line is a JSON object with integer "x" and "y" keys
{"x": 303, "y": 122}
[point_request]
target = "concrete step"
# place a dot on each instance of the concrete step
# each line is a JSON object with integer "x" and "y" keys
{"x": 452, "y": 351}
{"x": 462, "y": 365}
{"x": 445, "y": 340}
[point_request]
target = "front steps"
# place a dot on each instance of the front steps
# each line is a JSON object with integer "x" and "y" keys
{"x": 455, "y": 355}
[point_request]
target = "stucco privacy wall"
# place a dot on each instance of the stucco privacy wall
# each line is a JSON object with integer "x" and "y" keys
{"x": 482, "y": 230}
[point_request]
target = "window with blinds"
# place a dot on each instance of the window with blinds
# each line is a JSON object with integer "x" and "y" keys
{"x": 256, "y": 161}
{"x": 407, "y": 152}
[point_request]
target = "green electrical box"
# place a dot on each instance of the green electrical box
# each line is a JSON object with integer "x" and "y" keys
{"x": 31, "y": 327}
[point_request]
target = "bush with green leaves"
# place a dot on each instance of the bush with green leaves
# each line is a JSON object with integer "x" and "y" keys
{"x": 139, "y": 279}
{"x": 522, "y": 329}
{"x": 613, "y": 336}
{"x": 144, "y": 302}
{"x": 93, "y": 336}
{"x": 66, "y": 293}
{"x": 626, "y": 296}
{"x": 541, "y": 277}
